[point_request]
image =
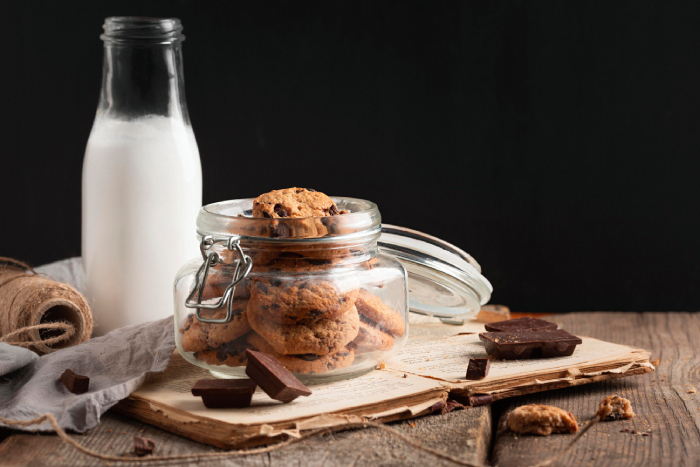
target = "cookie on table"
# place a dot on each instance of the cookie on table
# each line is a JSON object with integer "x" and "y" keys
{"x": 294, "y": 203}
{"x": 291, "y": 300}
{"x": 541, "y": 420}
{"x": 373, "y": 308}
{"x": 229, "y": 354}
{"x": 305, "y": 363}
{"x": 318, "y": 337}
{"x": 370, "y": 338}
{"x": 615, "y": 408}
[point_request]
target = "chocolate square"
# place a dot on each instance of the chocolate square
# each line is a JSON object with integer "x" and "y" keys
{"x": 224, "y": 393}
{"x": 75, "y": 383}
{"x": 529, "y": 344}
{"x": 278, "y": 382}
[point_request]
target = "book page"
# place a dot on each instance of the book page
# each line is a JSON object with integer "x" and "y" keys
{"x": 447, "y": 357}
{"x": 172, "y": 388}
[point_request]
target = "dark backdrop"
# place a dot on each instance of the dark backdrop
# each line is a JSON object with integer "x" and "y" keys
{"x": 557, "y": 142}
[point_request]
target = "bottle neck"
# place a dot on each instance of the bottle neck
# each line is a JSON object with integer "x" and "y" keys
{"x": 142, "y": 72}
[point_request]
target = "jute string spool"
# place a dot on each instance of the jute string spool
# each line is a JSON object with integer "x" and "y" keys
{"x": 39, "y": 313}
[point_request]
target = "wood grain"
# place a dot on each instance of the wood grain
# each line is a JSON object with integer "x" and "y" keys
{"x": 660, "y": 399}
{"x": 465, "y": 434}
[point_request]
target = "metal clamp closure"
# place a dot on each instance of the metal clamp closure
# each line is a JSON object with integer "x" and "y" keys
{"x": 211, "y": 260}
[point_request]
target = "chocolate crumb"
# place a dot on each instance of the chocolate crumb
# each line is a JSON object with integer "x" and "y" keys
{"x": 143, "y": 446}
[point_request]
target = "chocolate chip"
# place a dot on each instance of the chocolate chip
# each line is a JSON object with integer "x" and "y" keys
{"x": 333, "y": 211}
{"x": 344, "y": 354}
{"x": 319, "y": 261}
{"x": 316, "y": 313}
{"x": 261, "y": 286}
{"x": 311, "y": 190}
{"x": 188, "y": 327}
{"x": 248, "y": 212}
{"x": 280, "y": 211}
{"x": 266, "y": 214}
{"x": 275, "y": 282}
{"x": 275, "y": 305}
{"x": 279, "y": 231}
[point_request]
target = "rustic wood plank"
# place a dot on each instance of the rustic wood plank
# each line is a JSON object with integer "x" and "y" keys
{"x": 660, "y": 399}
{"x": 465, "y": 434}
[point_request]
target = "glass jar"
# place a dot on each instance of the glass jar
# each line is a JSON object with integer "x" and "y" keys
{"x": 316, "y": 293}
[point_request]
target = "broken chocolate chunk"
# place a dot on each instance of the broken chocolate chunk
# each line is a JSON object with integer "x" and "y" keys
{"x": 529, "y": 344}
{"x": 224, "y": 393}
{"x": 143, "y": 446}
{"x": 521, "y": 324}
{"x": 75, "y": 383}
{"x": 273, "y": 378}
{"x": 478, "y": 368}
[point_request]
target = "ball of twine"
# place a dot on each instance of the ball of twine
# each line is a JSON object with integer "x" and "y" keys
{"x": 39, "y": 313}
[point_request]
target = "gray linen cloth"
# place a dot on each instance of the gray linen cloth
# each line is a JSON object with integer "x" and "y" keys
{"x": 117, "y": 364}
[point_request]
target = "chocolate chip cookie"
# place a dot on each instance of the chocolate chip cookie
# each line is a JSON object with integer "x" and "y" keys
{"x": 370, "y": 338}
{"x": 290, "y": 300}
{"x": 194, "y": 335}
{"x": 541, "y": 420}
{"x": 294, "y": 202}
{"x": 373, "y": 308}
{"x": 320, "y": 337}
{"x": 305, "y": 363}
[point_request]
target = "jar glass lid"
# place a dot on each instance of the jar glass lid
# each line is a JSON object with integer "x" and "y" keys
{"x": 443, "y": 280}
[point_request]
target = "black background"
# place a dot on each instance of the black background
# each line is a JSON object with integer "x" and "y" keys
{"x": 557, "y": 142}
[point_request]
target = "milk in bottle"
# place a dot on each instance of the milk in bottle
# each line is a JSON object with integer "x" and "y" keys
{"x": 142, "y": 180}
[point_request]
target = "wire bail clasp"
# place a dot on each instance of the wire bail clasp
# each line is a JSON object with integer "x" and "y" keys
{"x": 211, "y": 260}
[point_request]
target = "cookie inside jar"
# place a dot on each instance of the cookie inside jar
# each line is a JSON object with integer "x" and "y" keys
{"x": 319, "y": 296}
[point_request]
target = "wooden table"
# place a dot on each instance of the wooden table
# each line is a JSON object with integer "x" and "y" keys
{"x": 661, "y": 400}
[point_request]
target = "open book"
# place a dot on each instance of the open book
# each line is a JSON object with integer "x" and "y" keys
{"x": 432, "y": 364}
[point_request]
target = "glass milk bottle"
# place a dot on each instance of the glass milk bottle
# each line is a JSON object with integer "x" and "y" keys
{"x": 142, "y": 177}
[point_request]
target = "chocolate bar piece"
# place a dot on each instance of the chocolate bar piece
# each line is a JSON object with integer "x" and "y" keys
{"x": 521, "y": 324}
{"x": 224, "y": 393}
{"x": 274, "y": 378}
{"x": 529, "y": 344}
{"x": 143, "y": 446}
{"x": 478, "y": 368}
{"x": 75, "y": 383}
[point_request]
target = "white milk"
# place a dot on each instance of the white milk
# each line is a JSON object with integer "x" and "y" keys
{"x": 142, "y": 189}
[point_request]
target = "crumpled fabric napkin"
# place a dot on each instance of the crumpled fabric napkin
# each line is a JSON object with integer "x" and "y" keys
{"x": 117, "y": 364}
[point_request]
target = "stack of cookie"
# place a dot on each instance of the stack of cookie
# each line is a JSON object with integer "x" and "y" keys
{"x": 293, "y": 308}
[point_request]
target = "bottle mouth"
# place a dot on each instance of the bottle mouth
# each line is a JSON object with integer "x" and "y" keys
{"x": 138, "y": 29}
